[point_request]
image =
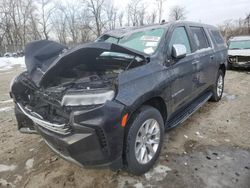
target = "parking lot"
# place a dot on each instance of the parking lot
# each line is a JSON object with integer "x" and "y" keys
{"x": 210, "y": 149}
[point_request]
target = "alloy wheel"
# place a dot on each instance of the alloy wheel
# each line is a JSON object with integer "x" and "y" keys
{"x": 147, "y": 141}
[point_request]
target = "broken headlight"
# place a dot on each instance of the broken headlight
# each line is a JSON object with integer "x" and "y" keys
{"x": 82, "y": 99}
{"x": 232, "y": 59}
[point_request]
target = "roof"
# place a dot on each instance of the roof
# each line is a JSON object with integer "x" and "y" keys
{"x": 122, "y": 31}
{"x": 238, "y": 38}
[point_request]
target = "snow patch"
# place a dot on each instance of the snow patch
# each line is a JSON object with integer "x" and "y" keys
{"x": 4, "y": 183}
{"x": 228, "y": 96}
{"x": 7, "y": 101}
{"x": 29, "y": 163}
{"x": 138, "y": 185}
{"x": 6, "y": 109}
{"x": 4, "y": 168}
{"x": 158, "y": 173}
{"x": 9, "y": 63}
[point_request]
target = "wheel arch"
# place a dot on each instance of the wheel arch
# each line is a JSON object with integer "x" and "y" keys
{"x": 156, "y": 102}
{"x": 223, "y": 68}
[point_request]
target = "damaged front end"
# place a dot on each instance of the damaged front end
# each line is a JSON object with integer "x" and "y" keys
{"x": 239, "y": 52}
{"x": 239, "y": 61}
{"x": 68, "y": 96}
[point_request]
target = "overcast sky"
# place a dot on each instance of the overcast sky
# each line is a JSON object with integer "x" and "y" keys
{"x": 207, "y": 11}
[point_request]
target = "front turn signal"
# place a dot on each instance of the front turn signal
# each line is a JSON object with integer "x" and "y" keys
{"x": 124, "y": 120}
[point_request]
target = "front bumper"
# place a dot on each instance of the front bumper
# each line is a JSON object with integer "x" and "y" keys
{"x": 92, "y": 138}
{"x": 240, "y": 65}
{"x": 239, "y": 62}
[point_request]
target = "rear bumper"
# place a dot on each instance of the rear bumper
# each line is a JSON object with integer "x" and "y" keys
{"x": 93, "y": 137}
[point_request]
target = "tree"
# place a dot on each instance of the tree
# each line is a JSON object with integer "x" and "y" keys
{"x": 111, "y": 13}
{"x": 247, "y": 21}
{"x": 160, "y": 10}
{"x": 46, "y": 8}
{"x": 120, "y": 18}
{"x": 177, "y": 13}
{"x": 96, "y": 9}
{"x": 136, "y": 12}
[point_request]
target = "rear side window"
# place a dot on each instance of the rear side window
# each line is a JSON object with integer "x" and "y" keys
{"x": 180, "y": 36}
{"x": 217, "y": 36}
{"x": 200, "y": 37}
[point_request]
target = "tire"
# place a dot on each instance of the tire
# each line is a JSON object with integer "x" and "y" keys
{"x": 145, "y": 116}
{"x": 229, "y": 66}
{"x": 218, "y": 87}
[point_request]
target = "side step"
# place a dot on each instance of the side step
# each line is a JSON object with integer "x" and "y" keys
{"x": 186, "y": 113}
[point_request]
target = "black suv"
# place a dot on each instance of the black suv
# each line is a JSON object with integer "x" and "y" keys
{"x": 108, "y": 103}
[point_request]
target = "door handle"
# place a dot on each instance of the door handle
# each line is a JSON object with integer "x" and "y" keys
{"x": 212, "y": 57}
{"x": 195, "y": 62}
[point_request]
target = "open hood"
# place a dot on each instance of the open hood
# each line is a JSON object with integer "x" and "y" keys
{"x": 46, "y": 58}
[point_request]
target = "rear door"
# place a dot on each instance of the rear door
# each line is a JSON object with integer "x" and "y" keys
{"x": 184, "y": 71}
{"x": 204, "y": 52}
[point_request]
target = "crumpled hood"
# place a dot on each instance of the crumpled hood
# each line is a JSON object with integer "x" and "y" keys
{"x": 39, "y": 55}
{"x": 243, "y": 52}
{"x": 45, "y": 58}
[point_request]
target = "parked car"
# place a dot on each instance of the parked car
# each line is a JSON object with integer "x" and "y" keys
{"x": 7, "y": 54}
{"x": 108, "y": 103}
{"x": 239, "y": 52}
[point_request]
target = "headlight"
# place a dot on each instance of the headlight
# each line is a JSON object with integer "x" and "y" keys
{"x": 78, "y": 99}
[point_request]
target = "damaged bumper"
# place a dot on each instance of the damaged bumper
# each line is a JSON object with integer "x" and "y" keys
{"x": 239, "y": 61}
{"x": 91, "y": 138}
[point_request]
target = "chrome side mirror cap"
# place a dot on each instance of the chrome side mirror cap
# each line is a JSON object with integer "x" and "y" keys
{"x": 179, "y": 51}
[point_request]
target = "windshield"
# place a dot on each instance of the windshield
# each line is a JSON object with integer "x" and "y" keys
{"x": 243, "y": 44}
{"x": 144, "y": 41}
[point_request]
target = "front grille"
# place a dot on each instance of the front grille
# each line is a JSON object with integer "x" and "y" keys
{"x": 40, "y": 121}
{"x": 243, "y": 59}
{"x": 237, "y": 59}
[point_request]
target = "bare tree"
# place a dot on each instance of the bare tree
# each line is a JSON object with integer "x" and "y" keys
{"x": 160, "y": 9}
{"x": 177, "y": 13}
{"x": 151, "y": 18}
{"x": 120, "y": 18}
{"x": 247, "y": 21}
{"x": 135, "y": 12}
{"x": 59, "y": 21}
{"x": 46, "y": 8}
{"x": 96, "y": 9}
{"x": 111, "y": 13}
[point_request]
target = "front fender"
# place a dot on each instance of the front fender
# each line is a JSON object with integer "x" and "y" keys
{"x": 143, "y": 83}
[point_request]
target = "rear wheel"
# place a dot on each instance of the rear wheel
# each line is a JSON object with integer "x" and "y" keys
{"x": 218, "y": 87}
{"x": 144, "y": 140}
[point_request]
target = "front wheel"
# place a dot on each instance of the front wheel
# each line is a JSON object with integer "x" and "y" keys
{"x": 218, "y": 87}
{"x": 144, "y": 140}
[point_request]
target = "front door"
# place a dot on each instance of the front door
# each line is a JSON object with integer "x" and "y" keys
{"x": 184, "y": 71}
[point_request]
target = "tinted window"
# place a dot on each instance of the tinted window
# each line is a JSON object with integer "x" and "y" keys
{"x": 217, "y": 37}
{"x": 200, "y": 38}
{"x": 180, "y": 37}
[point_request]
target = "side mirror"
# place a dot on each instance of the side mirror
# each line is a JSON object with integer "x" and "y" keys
{"x": 179, "y": 51}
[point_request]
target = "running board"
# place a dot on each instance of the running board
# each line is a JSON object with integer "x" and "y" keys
{"x": 186, "y": 113}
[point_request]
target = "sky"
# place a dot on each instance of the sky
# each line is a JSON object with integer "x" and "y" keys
{"x": 207, "y": 11}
